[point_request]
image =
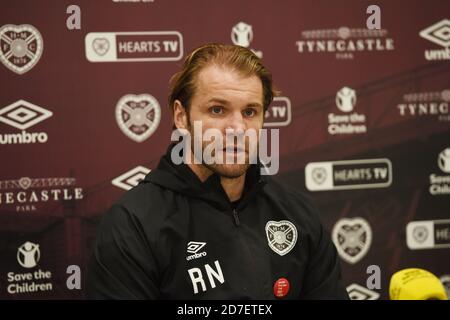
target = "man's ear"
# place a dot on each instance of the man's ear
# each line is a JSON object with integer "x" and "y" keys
{"x": 180, "y": 116}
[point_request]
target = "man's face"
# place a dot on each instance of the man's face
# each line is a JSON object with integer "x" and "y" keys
{"x": 225, "y": 99}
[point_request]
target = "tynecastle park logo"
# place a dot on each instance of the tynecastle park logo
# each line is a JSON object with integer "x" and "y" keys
{"x": 27, "y": 194}
{"x": 344, "y": 42}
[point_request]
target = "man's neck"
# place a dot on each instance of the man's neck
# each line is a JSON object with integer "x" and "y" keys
{"x": 233, "y": 187}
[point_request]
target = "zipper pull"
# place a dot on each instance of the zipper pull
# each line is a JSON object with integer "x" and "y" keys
{"x": 236, "y": 218}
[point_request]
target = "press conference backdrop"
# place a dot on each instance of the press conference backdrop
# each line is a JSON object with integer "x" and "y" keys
{"x": 363, "y": 117}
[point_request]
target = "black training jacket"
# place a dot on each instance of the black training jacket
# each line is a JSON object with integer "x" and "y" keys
{"x": 174, "y": 237}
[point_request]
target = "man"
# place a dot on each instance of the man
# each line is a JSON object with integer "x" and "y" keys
{"x": 220, "y": 230}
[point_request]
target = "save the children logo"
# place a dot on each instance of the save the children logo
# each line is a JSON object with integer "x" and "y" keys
{"x": 347, "y": 121}
{"x": 28, "y": 254}
{"x": 440, "y": 184}
{"x": 242, "y": 35}
{"x": 35, "y": 279}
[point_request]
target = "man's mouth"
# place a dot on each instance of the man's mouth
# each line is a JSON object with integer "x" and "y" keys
{"x": 233, "y": 149}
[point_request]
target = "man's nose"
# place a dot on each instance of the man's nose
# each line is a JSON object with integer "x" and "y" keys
{"x": 236, "y": 122}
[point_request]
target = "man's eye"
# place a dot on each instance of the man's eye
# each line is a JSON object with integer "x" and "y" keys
{"x": 249, "y": 112}
{"x": 216, "y": 110}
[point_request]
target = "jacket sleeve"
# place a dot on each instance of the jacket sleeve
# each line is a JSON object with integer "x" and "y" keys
{"x": 323, "y": 273}
{"x": 122, "y": 265}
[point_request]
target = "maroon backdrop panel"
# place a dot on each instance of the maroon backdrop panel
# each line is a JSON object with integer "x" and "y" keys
{"x": 363, "y": 118}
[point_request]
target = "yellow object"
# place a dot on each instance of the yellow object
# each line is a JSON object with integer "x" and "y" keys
{"x": 416, "y": 284}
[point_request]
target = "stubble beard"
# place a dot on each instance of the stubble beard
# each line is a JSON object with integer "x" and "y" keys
{"x": 225, "y": 170}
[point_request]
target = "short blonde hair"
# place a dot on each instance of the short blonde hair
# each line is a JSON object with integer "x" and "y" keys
{"x": 243, "y": 60}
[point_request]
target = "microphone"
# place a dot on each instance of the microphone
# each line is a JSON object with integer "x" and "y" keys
{"x": 416, "y": 284}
